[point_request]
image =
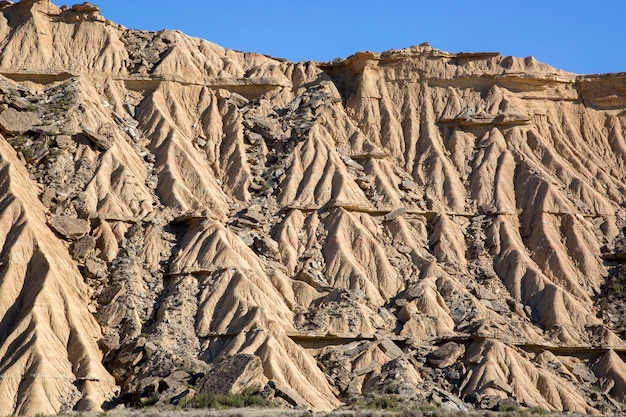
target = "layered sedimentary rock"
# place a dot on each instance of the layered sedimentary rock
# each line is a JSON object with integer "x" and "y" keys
{"x": 444, "y": 227}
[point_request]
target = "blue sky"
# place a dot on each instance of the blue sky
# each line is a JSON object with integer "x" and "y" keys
{"x": 575, "y": 35}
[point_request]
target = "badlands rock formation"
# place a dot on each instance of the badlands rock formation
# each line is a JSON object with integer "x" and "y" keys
{"x": 179, "y": 218}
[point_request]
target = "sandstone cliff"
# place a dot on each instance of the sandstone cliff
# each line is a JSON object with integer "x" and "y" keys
{"x": 176, "y": 218}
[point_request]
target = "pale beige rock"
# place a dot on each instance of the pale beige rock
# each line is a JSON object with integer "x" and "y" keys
{"x": 14, "y": 122}
{"x": 446, "y": 355}
{"x": 233, "y": 375}
{"x": 44, "y": 309}
{"x": 99, "y": 140}
{"x": 613, "y": 368}
{"x": 501, "y": 371}
{"x": 331, "y": 223}
{"x": 69, "y": 227}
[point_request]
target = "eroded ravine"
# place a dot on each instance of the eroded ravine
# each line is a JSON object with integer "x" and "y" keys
{"x": 442, "y": 227}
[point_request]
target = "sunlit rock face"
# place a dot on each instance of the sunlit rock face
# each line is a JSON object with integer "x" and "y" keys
{"x": 178, "y": 218}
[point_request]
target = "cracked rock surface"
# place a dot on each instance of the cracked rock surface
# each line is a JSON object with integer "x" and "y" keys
{"x": 178, "y": 218}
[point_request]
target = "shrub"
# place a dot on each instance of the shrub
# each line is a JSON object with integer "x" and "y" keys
{"x": 250, "y": 397}
{"x": 149, "y": 401}
{"x": 536, "y": 411}
{"x": 28, "y": 153}
{"x": 19, "y": 140}
{"x": 383, "y": 403}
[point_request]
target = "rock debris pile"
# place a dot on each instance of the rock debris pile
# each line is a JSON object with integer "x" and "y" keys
{"x": 177, "y": 218}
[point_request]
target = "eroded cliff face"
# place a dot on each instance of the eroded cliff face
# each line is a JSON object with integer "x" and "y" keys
{"x": 176, "y": 217}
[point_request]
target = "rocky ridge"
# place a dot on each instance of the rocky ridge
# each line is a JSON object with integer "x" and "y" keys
{"x": 179, "y": 218}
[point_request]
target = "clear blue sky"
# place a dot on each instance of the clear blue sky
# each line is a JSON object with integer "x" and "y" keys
{"x": 575, "y": 35}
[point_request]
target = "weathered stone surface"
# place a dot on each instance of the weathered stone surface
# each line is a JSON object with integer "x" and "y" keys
{"x": 233, "y": 375}
{"x": 278, "y": 390}
{"x": 83, "y": 247}
{"x": 446, "y": 355}
{"x": 406, "y": 311}
{"x": 451, "y": 402}
{"x": 392, "y": 215}
{"x": 507, "y": 404}
{"x": 254, "y": 216}
{"x": 405, "y": 249}
{"x": 95, "y": 268}
{"x": 14, "y": 122}
{"x": 63, "y": 141}
{"x": 320, "y": 230}
{"x": 69, "y": 227}
{"x": 85, "y": 8}
{"x": 19, "y": 103}
{"x": 101, "y": 141}
{"x": 267, "y": 246}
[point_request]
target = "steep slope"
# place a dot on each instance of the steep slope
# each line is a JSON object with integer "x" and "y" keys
{"x": 50, "y": 358}
{"x": 443, "y": 227}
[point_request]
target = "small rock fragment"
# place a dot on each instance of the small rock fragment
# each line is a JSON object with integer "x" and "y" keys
{"x": 407, "y": 185}
{"x": 233, "y": 375}
{"x": 351, "y": 163}
{"x": 253, "y": 216}
{"x": 70, "y": 227}
{"x": 267, "y": 246}
{"x": 507, "y": 404}
{"x": 95, "y": 268}
{"x": 445, "y": 355}
{"x": 392, "y": 215}
{"x": 85, "y": 8}
{"x": 404, "y": 249}
{"x": 14, "y": 122}
{"x": 63, "y": 141}
{"x": 83, "y": 247}
{"x": 238, "y": 100}
{"x": 97, "y": 139}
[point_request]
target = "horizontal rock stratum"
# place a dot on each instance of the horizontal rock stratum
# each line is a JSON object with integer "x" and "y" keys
{"x": 179, "y": 218}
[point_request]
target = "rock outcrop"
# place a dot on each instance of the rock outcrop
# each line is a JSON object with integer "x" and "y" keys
{"x": 443, "y": 227}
